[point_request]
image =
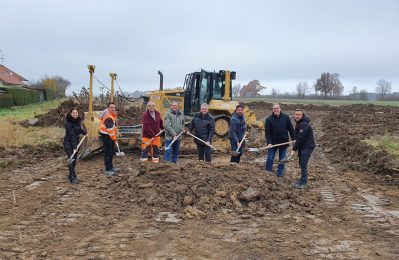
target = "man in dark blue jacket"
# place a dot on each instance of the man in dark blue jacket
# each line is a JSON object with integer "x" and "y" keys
{"x": 278, "y": 125}
{"x": 204, "y": 125}
{"x": 304, "y": 144}
{"x": 237, "y": 131}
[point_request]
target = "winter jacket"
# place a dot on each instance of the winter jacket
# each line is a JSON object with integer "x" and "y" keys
{"x": 174, "y": 124}
{"x": 73, "y": 129}
{"x": 304, "y": 135}
{"x": 204, "y": 126}
{"x": 151, "y": 127}
{"x": 108, "y": 125}
{"x": 277, "y": 129}
{"x": 237, "y": 127}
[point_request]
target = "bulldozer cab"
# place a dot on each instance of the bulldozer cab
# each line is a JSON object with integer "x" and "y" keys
{"x": 202, "y": 87}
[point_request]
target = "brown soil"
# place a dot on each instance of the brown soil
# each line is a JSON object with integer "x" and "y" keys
{"x": 56, "y": 117}
{"x": 198, "y": 211}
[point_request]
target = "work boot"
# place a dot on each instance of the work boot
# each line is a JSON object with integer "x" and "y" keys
{"x": 115, "y": 169}
{"x": 74, "y": 179}
{"x": 299, "y": 185}
{"x": 110, "y": 173}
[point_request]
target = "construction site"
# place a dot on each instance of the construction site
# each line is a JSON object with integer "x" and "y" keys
{"x": 218, "y": 210}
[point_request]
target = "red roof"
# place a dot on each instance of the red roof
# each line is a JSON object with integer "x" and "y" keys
{"x": 10, "y": 77}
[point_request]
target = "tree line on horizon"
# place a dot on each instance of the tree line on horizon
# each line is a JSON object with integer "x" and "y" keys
{"x": 328, "y": 86}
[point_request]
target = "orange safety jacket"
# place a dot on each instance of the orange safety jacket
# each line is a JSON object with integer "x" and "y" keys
{"x": 108, "y": 131}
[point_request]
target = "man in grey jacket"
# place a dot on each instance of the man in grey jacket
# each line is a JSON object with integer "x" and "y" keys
{"x": 174, "y": 126}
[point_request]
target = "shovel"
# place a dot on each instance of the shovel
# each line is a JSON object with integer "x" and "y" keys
{"x": 170, "y": 145}
{"x": 119, "y": 153}
{"x": 202, "y": 141}
{"x": 268, "y": 147}
{"x": 71, "y": 159}
{"x": 235, "y": 153}
{"x": 286, "y": 159}
{"x": 149, "y": 142}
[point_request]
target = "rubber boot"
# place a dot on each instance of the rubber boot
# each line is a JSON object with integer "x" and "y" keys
{"x": 71, "y": 172}
{"x": 73, "y": 178}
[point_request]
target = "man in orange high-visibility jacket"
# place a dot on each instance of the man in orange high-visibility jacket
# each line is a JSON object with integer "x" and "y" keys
{"x": 152, "y": 125}
{"x": 108, "y": 135}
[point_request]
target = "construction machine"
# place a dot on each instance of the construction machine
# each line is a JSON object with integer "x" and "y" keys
{"x": 212, "y": 88}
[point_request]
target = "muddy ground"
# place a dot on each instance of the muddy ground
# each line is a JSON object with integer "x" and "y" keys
{"x": 349, "y": 210}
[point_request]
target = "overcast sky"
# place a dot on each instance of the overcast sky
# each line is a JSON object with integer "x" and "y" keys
{"x": 278, "y": 42}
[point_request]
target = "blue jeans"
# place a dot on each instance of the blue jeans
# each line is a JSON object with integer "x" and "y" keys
{"x": 304, "y": 156}
{"x": 282, "y": 153}
{"x": 174, "y": 150}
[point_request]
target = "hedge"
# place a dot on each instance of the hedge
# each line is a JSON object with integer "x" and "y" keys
{"x": 49, "y": 94}
{"x": 6, "y": 100}
{"x": 23, "y": 96}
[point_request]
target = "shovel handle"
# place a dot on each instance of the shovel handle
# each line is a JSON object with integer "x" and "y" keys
{"x": 275, "y": 145}
{"x": 202, "y": 141}
{"x": 239, "y": 145}
{"x": 160, "y": 132}
{"x": 77, "y": 148}
{"x": 170, "y": 145}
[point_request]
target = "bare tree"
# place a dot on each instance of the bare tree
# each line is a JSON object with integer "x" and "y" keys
{"x": 274, "y": 93}
{"x": 302, "y": 89}
{"x": 354, "y": 93}
{"x": 329, "y": 84}
{"x": 236, "y": 90}
{"x": 252, "y": 89}
{"x": 383, "y": 88}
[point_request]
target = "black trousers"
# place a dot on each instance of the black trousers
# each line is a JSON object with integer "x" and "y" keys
{"x": 71, "y": 167}
{"x": 109, "y": 151}
{"x": 204, "y": 151}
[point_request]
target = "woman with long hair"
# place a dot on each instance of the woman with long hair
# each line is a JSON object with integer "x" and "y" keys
{"x": 73, "y": 129}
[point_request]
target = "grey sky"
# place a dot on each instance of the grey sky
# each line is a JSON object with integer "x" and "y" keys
{"x": 277, "y": 42}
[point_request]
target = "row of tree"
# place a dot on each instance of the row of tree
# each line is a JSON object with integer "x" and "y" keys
{"x": 328, "y": 85}
{"x": 56, "y": 85}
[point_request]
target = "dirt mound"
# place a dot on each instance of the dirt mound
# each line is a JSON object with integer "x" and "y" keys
{"x": 131, "y": 116}
{"x": 284, "y": 106}
{"x": 201, "y": 190}
{"x": 346, "y": 128}
{"x": 29, "y": 155}
{"x": 56, "y": 117}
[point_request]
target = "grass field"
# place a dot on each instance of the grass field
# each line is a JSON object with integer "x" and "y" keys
{"x": 320, "y": 101}
{"x": 16, "y": 135}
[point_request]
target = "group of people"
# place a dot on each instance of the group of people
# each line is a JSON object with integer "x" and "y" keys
{"x": 278, "y": 130}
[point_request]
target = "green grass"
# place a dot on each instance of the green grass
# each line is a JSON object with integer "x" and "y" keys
{"x": 320, "y": 101}
{"x": 16, "y": 135}
{"x": 386, "y": 142}
{"x": 19, "y": 113}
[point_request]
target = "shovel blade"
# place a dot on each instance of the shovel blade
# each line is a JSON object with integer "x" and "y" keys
{"x": 70, "y": 161}
{"x": 120, "y": 154}
{"x": 253, "y": 150}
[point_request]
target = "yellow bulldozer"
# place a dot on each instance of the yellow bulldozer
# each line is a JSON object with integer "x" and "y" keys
{"x": 213, "y": 88}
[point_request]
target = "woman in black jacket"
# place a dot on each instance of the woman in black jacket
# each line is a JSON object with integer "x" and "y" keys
{"x": 73, "y": 130}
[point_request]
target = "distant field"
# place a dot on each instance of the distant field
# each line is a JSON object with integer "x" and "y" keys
{"x": 320, "y": 101}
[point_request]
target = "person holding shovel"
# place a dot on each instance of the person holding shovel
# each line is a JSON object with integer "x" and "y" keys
{"x": 174, "y": 126}
{"x": 73, "y": 129}
{"x": 237, "y": 133}
{"x": 278, "y": 126}
{"x": 204, "y": 125}
{"x": 108, "y": 133}
{"x": 152, "y": 128}
{"x": 304, "y": 144}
